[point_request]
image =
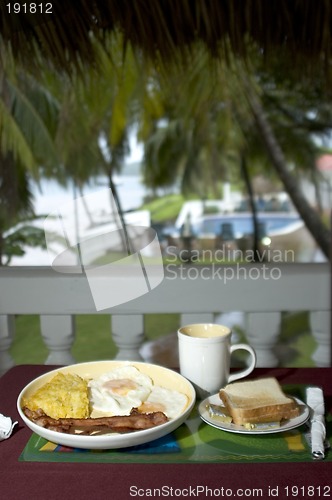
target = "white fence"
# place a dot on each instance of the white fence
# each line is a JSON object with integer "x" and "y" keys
{"x": 196, "y": 293}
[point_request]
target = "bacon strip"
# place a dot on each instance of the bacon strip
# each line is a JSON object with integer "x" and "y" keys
{"x": 120, "y": 424}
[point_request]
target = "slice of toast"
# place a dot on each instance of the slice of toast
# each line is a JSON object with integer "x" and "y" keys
{"x": 258, "y": 401}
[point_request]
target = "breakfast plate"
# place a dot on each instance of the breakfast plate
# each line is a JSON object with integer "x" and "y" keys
{"x": 160, "y": 376}
{"x": 230, "y": 427}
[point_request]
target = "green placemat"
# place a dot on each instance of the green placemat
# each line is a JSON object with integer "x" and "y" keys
{"x": 194, "y": 441}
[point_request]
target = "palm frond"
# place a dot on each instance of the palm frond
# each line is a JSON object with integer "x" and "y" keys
{"x": 300, "y": 29}
{"x": 33, "y": 128}
{"x": 12, "y": 139}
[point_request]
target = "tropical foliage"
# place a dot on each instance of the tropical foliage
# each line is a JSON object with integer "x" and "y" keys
{"x": 230, "y": 121}
{"x": 295, "y": 33}
{"x": 201, "y": 123}
{"x": 28, "y": 115}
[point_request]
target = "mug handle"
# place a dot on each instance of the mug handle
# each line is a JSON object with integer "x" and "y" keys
{"x": 249, "y": 369}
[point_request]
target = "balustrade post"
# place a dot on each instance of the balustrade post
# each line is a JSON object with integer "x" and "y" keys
{"x": 128, "y": 335}
{"x": 58, "y": 333}
{"x": 262, "y": 330}
{"x": 320, "y": 327}
{"x": 7, "y": 330}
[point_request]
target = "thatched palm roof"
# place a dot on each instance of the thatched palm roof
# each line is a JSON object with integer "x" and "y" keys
{"x": 303, "y": 28}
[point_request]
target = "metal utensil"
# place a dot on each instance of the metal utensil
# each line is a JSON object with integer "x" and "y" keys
{"x": 315, "y": 401}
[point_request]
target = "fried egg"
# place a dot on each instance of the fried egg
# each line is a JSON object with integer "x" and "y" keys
{"x": 170, "y": 402}
{"x": 118, "y": 391}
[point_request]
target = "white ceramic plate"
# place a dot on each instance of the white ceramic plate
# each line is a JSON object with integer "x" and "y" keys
{"x": 230, "y": 427}
{"x": 161, "y": 376}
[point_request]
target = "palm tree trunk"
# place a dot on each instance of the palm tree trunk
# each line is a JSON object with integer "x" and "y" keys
{"x": 1, "y": 248}
{"x": 315, "y": 181}
{"x": 126, "y": 243}
{"x": 246, "y": 177}
{"x": 85, "y": 205}
{"x": 291, "y": 184}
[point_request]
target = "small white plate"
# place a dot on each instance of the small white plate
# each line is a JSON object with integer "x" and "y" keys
{"x": 230, "y": 427}
{"x": 161, "y": 376}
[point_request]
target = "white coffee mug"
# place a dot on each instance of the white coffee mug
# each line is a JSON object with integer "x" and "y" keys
{"x": 205, "y": 351}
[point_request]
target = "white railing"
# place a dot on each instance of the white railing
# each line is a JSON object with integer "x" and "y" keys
{"x": 198, "y": 294}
